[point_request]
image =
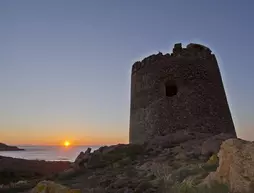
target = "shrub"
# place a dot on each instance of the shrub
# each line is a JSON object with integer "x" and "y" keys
{"x": 213, "y": 160}
{"x": 212, "y": 164}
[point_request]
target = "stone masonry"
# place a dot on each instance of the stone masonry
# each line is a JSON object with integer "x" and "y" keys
{"x": 178, "y": 91}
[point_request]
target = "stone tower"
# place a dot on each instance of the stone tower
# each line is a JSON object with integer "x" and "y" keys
{"x": 178, "y": 91}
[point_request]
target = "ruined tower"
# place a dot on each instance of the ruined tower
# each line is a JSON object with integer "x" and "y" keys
{"x": 178, "y": 91}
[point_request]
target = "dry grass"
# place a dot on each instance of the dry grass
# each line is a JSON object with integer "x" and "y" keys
{"x": 162, "y": 171}
{"x": 187, "y": 178}
{"x": 191, "y": 188}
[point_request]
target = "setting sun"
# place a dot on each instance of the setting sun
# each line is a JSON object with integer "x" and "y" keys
{"x": 66, "y": 143}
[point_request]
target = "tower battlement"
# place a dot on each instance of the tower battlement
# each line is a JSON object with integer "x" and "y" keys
{"x": 182, "y": 90}
{"x": 191, "y": 50}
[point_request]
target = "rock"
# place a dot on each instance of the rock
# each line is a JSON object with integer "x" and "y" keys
{"x": 67, "y": 173}
{"x": 125, "y": 161}
{"x": 127, "y": 190}
{"x": 181, "y": 156}
{"x": 187, "y": 150}
{"x": 52, "y": 187}
{"x": 212, "y": 145}
{"x": 105, "y": 182}
{"x": 96, "y": 161}
{"x": 120, "y": 183}
{"x": 82, "y": 158}
{"x": 236, "y": 161}
{"x": 21, "y": 182}
{"x": 95, "y": 190}
{"x": 109, "y": 149}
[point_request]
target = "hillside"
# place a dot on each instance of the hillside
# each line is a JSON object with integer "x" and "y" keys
{"x": 4, "y": 147}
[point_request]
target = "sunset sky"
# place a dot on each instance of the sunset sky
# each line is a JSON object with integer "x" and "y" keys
{"x": 65, "y": 65}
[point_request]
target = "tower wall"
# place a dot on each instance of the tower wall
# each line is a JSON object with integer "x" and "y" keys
{"x": 182, "y": 90}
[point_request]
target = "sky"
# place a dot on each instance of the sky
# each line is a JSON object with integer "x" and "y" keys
{"x": 65, "y": 65}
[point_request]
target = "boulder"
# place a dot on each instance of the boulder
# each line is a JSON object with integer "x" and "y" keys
{"x": 236, "y": 161}
{"x": 212, "y": 144}
{"x": 52, "y": 187}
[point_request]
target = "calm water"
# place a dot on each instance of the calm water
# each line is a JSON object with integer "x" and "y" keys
{"x": 49, "y": 153}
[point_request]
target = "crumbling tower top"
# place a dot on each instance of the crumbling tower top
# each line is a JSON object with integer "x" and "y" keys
{"x": 191, "y": 50}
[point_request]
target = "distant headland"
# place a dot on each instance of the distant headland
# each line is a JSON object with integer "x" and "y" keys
{"x": 4, "y": 147}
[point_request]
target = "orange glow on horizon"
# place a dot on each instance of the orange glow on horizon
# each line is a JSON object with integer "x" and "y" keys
{"x": 79, "y": 135}
{"x": 67, "y": 143}
{"x": 54, "y": 139}
{"x": 72, "y": 142}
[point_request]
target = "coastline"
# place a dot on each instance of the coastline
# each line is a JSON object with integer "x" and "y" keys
{"x": 12, "y": 149}
{"x": 47, "y": 153}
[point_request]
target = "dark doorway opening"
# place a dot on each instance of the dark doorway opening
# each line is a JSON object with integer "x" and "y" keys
{"x": 171, "y": 89}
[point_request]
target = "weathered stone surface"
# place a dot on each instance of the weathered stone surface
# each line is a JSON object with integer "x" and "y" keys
{"x": 236, "y": 161}
{"x": 182, "y": 91}
{"x": 198, "y": 47}
{"x": 52, "y": 187}
{"x": 212, "y": 145}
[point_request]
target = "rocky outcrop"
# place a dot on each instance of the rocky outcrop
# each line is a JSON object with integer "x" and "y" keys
{"x": 236, "y": 161}
{"x": 4, "y": 147}
{"x": 52, "y": 187}
{"x": 131, "y": 168}
{"x": 188, "y": 144}
{"x": 106, "y": 155}
{"x": 111, "y": 169}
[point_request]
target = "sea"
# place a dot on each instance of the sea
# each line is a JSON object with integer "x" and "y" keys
{"x": 48, "y": 153}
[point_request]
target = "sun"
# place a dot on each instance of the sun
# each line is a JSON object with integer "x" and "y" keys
{"x": 67, "y": 143}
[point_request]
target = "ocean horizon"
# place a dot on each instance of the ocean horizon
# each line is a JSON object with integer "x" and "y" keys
{"x": 48, "y": 153}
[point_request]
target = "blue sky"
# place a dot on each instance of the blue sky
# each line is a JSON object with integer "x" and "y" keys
{"x": 65, "y": 65}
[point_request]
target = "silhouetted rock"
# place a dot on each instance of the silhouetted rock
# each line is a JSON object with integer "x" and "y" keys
{"x": 82, "y": 158}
